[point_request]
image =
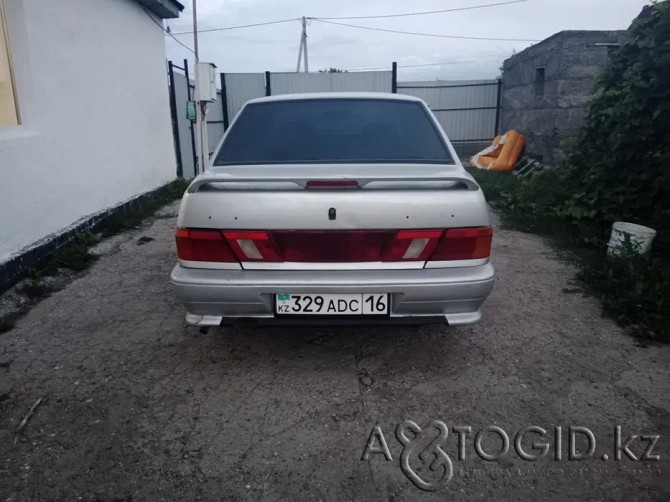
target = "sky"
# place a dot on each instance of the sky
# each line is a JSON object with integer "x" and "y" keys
{"x": 275, "y": 47}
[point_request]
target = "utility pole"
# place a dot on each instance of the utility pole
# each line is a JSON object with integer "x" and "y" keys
{"x": 303, "y": 46}
{"x": 202, "y": 148}
{"x": 304, "y": 37}
{"x": 195, "y": 31}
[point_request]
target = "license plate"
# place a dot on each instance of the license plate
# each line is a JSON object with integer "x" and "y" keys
{"x": 307, "y": 304}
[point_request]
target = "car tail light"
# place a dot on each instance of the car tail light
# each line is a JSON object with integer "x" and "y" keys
{"x": 464, "y": 244}
{"x": 203, "y": 245}
{"x": 412, "y": 245}
{"x": 334, "y": 246}
{"x": 253, "y": 245}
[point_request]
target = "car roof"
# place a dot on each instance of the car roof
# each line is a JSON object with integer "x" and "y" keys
{"x": 337, "y": 95}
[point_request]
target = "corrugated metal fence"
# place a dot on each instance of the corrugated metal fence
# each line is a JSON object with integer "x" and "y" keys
{"x": 468, "y": 110}
{"x": 241, "y": 87}
{"x": 296, "y": 83}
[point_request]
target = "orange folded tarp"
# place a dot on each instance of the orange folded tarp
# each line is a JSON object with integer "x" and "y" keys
{"x": 502, "y": 155}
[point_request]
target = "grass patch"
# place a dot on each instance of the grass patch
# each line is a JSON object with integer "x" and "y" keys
{"x": 73, "y": 256}
{"x": 143, "y": 208}
{"x": 634, "y": 290}
{"x": 31, "y": 289}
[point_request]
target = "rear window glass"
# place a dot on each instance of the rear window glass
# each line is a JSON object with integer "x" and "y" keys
{"x": 333, "y": 131}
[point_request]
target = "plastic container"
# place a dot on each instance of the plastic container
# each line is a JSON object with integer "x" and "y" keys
{"x": 640, "y": 238}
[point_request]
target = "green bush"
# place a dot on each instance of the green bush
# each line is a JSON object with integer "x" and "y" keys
{"x": 616, "y": 168}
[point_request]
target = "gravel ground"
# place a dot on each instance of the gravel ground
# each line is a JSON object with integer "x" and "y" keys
{"x": 137, "y": 406}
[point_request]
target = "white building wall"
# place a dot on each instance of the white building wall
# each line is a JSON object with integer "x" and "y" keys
{"x": 95, "y": 120}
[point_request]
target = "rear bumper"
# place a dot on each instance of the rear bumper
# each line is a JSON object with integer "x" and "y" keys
{"x": 452, "y": 294}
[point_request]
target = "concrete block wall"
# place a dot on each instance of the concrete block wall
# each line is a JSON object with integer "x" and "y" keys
{"x": 571, "y": 62}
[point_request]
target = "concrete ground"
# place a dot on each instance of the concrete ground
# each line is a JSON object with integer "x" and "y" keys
{"x": 137, "y": 406}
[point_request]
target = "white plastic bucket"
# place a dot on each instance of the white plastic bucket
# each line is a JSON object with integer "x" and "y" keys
{"x": 640, "y": 237}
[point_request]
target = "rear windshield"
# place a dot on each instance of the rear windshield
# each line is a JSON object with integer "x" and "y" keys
{"x": 333, "y": 131}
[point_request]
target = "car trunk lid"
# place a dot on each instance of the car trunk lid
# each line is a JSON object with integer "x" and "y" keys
{"x": 370, "y": 214}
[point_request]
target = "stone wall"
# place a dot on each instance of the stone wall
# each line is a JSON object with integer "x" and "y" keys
{"x": 547, "y": 114}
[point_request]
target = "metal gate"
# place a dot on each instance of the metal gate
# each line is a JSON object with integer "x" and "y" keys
{"x": 182, "y": 128}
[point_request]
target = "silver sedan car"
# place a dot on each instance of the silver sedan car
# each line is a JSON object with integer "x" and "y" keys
{"x": 334, "y": 208}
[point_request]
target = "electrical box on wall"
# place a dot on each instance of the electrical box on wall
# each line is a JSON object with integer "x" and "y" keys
{"x": 205, "y": 77}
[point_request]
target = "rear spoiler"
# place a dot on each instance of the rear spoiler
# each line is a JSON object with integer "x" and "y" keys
{"x": 363, "y": 180}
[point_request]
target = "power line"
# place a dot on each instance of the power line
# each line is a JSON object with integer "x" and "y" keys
{"x": 351, "y": 17}
{"x": 167, "y": 32}
{"x": 237, "y": 27}
{"x": 425, "y": 12}
{"x": 459, "y": 61}
{"x": 386, "y": 67}
{"x": 427, "y": 34}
